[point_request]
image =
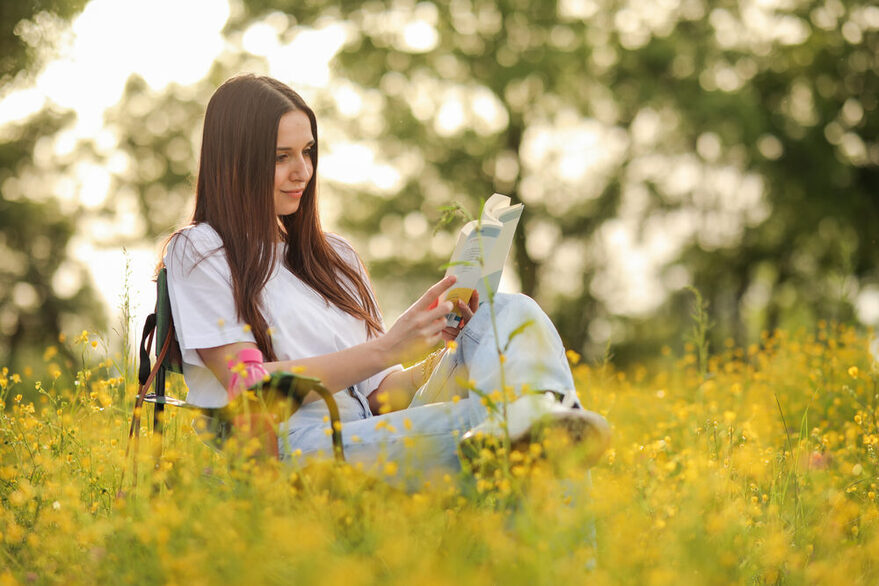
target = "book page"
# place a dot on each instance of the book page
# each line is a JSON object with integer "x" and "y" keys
{"x": 467, "y": 265}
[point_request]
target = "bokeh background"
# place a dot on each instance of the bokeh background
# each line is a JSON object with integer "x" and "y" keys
{"x": 727, "y": 146}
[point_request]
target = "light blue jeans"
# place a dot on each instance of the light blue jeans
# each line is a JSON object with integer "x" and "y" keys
{"x": 421, "y": 440}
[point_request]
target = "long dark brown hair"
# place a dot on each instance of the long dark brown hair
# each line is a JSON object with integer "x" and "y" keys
{"x": 235, "y": 196}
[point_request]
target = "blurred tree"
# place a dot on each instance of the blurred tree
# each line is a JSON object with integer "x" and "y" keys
{"x": 799, "y": 108}
{"x": 732, "y": 144}
{"x": 28, "y": 31}
{"x": 40, "y": 287}
{"x": 158, "y": 138}
{"x": 447, "y": 95}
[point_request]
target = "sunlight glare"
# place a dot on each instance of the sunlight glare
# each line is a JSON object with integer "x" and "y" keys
{"x": 305, "y": 60}
{"x": 260, "y": 39}
{"x": 113, "y": 39}
{"x": 419, "y": 37}
{"x": 355, "y": 164}
{"x": 95, "y": 184}
{"x": 20, "y": 105}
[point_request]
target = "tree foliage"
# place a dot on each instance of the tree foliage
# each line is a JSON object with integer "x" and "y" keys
{"x": 27, "y": 30}
{"x": 729, "y": 146}
{"x": 740, "y": 136}
{"x": 41, "y": 289}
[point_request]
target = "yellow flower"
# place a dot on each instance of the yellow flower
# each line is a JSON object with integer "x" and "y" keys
{"x": 853, "y": 371}
{"x": 573, "y": 357}
{"x": 451, "y": 346}
{"x": 50, "y": 353}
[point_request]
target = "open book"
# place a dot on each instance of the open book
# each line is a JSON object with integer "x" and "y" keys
{"x": 481, "y": 250}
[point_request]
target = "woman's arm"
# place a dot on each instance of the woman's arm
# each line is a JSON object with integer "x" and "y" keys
{"x": 396, "y": 390}
{"x": 411, "y": 337}
{"x": 336, "y": 371}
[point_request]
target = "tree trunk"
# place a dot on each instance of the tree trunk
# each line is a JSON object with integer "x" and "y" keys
{"x": 527, "y": 266}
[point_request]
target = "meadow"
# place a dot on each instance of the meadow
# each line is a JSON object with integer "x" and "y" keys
{"x": 751, "y": 465}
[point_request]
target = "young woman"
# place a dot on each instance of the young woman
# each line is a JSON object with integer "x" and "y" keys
{"x": 255, "y": 271}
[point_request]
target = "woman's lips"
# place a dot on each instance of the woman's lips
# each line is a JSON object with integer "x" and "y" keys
{"x": 293, "y": 192}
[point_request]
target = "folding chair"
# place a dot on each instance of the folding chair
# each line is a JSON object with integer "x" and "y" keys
{"x": 292, "y": 388}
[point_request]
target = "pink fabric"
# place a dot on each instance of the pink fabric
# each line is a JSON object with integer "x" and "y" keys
{"x": 254, "y": 371}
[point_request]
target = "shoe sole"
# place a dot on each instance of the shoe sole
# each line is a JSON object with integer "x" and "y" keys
{"x": 581, "y": 427}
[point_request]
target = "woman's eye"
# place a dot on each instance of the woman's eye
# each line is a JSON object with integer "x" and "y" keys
{"x": 281, "y": 158}
{"x": 308, "y": 152}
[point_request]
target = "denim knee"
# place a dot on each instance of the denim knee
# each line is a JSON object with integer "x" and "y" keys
{"x": 519, "y": 303}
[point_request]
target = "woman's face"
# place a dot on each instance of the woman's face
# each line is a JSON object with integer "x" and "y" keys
{"x": 293, "y": 166}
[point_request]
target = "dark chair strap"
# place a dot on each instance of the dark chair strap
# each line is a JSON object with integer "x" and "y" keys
{"x": 146, "y": 343}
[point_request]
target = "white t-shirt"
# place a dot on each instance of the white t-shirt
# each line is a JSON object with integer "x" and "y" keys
{"x": 203, "y": 306}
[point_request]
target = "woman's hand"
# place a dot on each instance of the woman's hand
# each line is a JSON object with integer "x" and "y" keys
{"x": 420, "y": 328}
{"x": 467, "y": 311}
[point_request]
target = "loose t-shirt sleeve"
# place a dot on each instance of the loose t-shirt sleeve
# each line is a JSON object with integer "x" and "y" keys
{"x": 200, "y": 287}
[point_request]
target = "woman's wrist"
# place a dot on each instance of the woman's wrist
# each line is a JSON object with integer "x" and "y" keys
{"x": 378, "y": 354}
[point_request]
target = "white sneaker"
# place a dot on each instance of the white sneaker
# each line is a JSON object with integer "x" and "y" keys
{"x": 527, "y": 416}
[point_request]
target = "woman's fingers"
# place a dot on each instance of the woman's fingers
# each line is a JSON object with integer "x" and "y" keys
{"x": 428, "y": 300}
{"x": 424, "y": 323}
{"x": 474, "y": 302}
{"x": 440, "y": 311}
{"x": 435, "y": 326}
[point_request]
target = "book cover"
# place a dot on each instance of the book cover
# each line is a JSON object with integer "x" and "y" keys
{"x": 481, "y": 251}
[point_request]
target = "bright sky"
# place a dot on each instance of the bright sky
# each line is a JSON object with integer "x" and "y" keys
{"x": 112, "y": 39}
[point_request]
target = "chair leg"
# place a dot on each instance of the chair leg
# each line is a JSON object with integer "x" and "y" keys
{"x": 159, "y": 409}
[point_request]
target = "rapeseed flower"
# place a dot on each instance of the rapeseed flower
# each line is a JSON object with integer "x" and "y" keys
{"x": 764, "y": 471}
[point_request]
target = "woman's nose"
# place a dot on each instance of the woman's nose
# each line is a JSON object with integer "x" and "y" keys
{"x": 301, "y": 168}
